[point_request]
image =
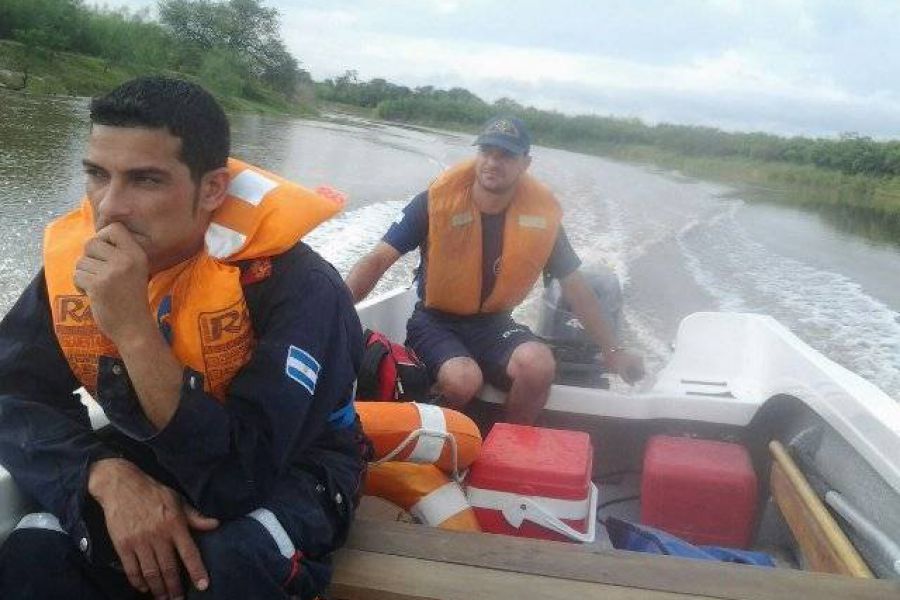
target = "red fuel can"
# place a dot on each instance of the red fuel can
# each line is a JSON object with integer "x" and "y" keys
{"x": 703, "y": 491}
{"x": 534, "y": 482}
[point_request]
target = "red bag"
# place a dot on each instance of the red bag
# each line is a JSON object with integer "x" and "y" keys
{"x": 390, "y": 371}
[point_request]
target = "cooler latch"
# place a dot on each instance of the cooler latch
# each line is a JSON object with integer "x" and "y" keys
{"x": 517, "y": 509}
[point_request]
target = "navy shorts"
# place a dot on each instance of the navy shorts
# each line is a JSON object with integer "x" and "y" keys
{"x": 489, "y": 339}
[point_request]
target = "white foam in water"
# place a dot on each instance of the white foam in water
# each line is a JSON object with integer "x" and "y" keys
{"x": 727, "y": 298}
{"x": 347, "y": 237}
{"x": 656, "y": 351}
{"x": 613, "y": 246}
{"x": 828, "y": 310}
{"x": 609, "y": 219}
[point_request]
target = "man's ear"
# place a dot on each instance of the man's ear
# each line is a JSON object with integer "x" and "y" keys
{"x": 214, "y": 189}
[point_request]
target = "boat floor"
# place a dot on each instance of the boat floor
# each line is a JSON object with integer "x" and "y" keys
{"x": 619, "y": 496}
{"x": 393, "y": 560}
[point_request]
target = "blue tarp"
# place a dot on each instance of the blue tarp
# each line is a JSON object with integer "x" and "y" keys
{"x": 641, "y": 538}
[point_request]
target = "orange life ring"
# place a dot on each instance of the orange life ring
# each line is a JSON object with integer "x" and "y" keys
{"x": 420, "y": 433}
{"x": 423, "y": 491}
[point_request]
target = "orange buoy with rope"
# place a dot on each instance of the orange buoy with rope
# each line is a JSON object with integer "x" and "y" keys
{"x": 420, "y": 433}
{"x": 424, "y": 491}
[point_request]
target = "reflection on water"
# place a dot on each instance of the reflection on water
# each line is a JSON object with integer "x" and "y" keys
{"x": 877, "y": 229}
{"x": 874, "y": 227}
{"x": 370, "y": 163}
{"x": 41, "y": 144}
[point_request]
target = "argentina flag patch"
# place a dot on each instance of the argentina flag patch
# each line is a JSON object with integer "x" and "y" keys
{"x": 302, "y": 368}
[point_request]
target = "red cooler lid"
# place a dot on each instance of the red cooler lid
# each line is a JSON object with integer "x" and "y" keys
{"x": 533, "y": 461}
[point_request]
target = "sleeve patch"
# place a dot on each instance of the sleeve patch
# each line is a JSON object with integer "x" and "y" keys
{"x": 302, "y": 368}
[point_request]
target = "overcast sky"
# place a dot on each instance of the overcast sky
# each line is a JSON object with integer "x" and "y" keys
{"x": 813, "y": 67}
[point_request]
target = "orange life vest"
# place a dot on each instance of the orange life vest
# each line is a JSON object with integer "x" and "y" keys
{"x": 453, "y": 280}
{"x": 199, "y": 300}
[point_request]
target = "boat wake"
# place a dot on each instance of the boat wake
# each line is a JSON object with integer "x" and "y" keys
{"x": 828, "y": 310}
{"x": 347, "y": 237}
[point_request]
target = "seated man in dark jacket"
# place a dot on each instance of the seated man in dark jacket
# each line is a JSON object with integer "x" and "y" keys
{"x": 223, "y": 352}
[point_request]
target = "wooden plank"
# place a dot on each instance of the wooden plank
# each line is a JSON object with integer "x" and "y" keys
{"x": 376, "y": 509}
{"x": 818, "y": 554}
{"x": 824, "y": 545}
{"x": 363, "y": 575}
{"x": 610, "y": 567}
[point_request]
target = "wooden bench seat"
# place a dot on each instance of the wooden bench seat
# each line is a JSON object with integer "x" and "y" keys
{"x": 389, "y": 560}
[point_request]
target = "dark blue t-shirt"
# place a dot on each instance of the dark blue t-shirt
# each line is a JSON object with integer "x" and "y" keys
{"x": 410, "y": 231}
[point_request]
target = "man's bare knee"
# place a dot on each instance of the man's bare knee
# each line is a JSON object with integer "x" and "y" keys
{"x": 459, "y": 379}
{"x": 532, "y": 362}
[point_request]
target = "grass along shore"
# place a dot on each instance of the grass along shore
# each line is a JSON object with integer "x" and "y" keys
{"x": 41, "y": 71}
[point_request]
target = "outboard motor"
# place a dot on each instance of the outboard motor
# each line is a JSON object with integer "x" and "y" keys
{"x": 576, "y": 354}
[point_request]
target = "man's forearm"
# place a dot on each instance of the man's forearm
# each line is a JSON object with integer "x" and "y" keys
{"x": 155, "y": 374}
{"x": 364, "y": 275}
{"x": 587, "y": 308}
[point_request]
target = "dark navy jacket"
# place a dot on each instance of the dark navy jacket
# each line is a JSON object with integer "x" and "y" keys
{"x": 286, "y": 441}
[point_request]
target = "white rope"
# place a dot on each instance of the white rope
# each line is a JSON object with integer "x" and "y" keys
{"x": 414, "y": 435}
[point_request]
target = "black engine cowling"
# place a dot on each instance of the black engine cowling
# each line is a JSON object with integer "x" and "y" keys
{"x": 576, "y": 354}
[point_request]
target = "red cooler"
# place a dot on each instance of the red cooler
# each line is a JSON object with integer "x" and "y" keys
{"x": 534, "y": 482}
{"x": 700, "y": 490}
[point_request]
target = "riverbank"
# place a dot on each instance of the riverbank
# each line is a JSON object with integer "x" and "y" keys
{"x": 55, "y": 73}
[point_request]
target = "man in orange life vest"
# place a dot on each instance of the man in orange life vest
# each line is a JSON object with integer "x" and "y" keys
{"x": 486, "y": 230}
{"x": 223, "y": 352}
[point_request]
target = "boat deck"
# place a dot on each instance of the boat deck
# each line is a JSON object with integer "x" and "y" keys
{"x": 390, "y": 560}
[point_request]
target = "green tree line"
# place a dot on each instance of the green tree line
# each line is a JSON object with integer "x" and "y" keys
{"x": 232, "y": 46}
{"x": 850, "y": 154}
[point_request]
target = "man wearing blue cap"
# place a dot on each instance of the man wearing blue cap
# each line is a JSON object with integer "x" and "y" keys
{"x": 486, "y": 230}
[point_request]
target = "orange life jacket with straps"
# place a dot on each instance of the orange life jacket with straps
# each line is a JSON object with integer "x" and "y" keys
{"x": 453, "y": 280}
{"x": 200, "y": 301}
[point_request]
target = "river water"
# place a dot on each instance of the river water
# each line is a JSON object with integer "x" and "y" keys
{"x": 679, "y": 245}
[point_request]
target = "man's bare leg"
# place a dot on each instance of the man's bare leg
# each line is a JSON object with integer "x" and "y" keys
{"x": 459, "y": 380}
{"x": 532, "y": 369}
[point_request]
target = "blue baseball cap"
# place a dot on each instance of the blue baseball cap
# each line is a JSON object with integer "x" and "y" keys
{"x": 509, "y": 133}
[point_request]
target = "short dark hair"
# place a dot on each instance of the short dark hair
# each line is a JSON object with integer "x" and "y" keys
{"x": 187, "y": 110}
